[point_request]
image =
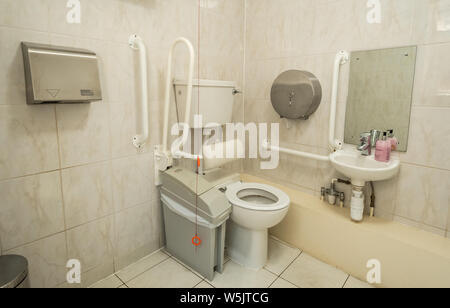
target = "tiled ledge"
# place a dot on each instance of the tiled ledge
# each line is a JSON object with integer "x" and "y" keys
{"x": 409, "y": 257}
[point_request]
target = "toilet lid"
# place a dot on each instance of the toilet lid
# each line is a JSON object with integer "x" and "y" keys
{"x": 258, "y": 197}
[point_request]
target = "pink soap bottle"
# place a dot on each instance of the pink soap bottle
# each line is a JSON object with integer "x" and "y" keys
{"x": 383, "y": 149}
{"x": 393, "y": 140}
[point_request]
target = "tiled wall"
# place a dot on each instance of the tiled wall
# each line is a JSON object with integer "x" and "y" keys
{"x": 71, "y": 183}
{"x": 306, "y": 34}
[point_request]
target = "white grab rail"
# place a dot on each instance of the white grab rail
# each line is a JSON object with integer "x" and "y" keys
{"x": 341, "y": 58}
{"x": 267, "y": 146}
{"x": 136, "y": 43}
{"x": 169, "y": 84}
{"x": 164, "y": 157}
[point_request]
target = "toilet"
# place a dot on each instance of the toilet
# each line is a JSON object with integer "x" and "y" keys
{"x": 255, "y": 209}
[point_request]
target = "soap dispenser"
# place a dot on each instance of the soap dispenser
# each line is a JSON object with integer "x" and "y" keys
{"x": 383, "y": 149}
{"x": 393, "y": 140}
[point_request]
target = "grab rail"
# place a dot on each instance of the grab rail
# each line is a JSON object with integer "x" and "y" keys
{"x": 341, "y": 58}
{"x": 136, "y": 43}
{"x": 169, "y": 87}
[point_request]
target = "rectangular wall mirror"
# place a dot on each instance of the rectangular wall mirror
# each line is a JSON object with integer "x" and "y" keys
{"x": 380, "y": 93}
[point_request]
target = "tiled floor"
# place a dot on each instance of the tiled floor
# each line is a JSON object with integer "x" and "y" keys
{"x": 287, "y": 267}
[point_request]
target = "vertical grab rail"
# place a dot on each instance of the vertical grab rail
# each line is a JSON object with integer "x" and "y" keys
{"x": 169, "y": 82}
{"x": 137, "y": 43}
{"x": 342, "y": 57}
{"x": 163, "y": 156}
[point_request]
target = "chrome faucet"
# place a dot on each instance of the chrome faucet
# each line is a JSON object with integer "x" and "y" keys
{"x": 366, "y": 144}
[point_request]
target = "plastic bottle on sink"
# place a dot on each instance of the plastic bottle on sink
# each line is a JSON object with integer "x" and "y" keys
{"x": 393, "y": 140}
{"x": 383, "y": 149}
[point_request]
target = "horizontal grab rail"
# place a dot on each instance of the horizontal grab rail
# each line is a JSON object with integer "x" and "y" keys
{"x": 268, "y": 146}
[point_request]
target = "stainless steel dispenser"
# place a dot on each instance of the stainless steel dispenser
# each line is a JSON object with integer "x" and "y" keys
{"x": 60, "y": 74}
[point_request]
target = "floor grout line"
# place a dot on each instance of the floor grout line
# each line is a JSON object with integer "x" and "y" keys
{"x": 150, "y": 268}
{"x": 198, "y": 283}
{"x": 204, "y": 280}
{"x": 279, "y": 276}
{"x": 189, "y": 269}
{"x": 123, "y": 282}
{"x": 348, "y": 277}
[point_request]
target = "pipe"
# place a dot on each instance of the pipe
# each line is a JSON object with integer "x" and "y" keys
{"x": 136, "y": 43}
{"x": 341, "y": 58}
{"x": 169, "y": 88}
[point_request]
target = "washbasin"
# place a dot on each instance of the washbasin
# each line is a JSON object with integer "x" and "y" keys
{"x": 361, "y": 169}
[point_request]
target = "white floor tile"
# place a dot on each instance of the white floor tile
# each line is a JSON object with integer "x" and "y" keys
{"x": 141, "y": 266}
{"x": 204, "y": 285}
{"x": 168, "y": 274}
{"x": 280, "y": 256}
{"x": 280, "y": 283}
{"x": 236, "y": 276}
{"x": 353, "y": 283}
{"x": 110, "y": 282}
{"x": 308, "y": 272}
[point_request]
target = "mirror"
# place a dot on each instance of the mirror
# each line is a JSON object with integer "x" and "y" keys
{"x": 380, "y": 93}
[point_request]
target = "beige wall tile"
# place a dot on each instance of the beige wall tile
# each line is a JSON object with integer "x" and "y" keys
{"x": 136, "y": 234}
{"x": 31, "y": 209}
{"x": 133, "y": 181}
{"x": 428, "y": 128}
{"x": 47, "y": 260}
{"x": 121, "y": 80}
{"x": 433, "y": 82}
{"x": 432, "y": 19}
{"x": 87, "y": 192}
{"x": 33, "y": 14}
{"x": 84, "y": 134}
{"x": 95, "y": 249}
{"x": 29, "y": 133}
{"x": 124, "y": 127}
{"x": 385, "y": 197}
{"x": 423, "y": 195}
{"x": 278, "y": 17}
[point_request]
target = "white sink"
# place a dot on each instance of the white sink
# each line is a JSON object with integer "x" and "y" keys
{"x": 361, "y": 169}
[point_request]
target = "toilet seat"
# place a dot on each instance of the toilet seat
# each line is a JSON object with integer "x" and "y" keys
{"x": 257, "y": 197}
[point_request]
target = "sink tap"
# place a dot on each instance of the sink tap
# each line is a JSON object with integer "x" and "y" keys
{"x": 366, "y": 144}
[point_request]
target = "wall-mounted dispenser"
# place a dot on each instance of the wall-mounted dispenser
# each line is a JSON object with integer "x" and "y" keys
{"x": 296, "y": 94}
{"x": 60, "y": 74}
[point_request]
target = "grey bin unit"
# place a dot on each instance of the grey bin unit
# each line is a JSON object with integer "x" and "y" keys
{"x": 183, "y": 219}
{"x": 13, "y": 272}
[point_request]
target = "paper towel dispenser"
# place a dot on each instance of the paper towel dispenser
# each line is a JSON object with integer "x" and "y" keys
{"x": 60, "y": 74}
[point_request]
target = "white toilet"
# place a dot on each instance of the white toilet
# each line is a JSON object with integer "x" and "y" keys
{"x": 256, "y": 208}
